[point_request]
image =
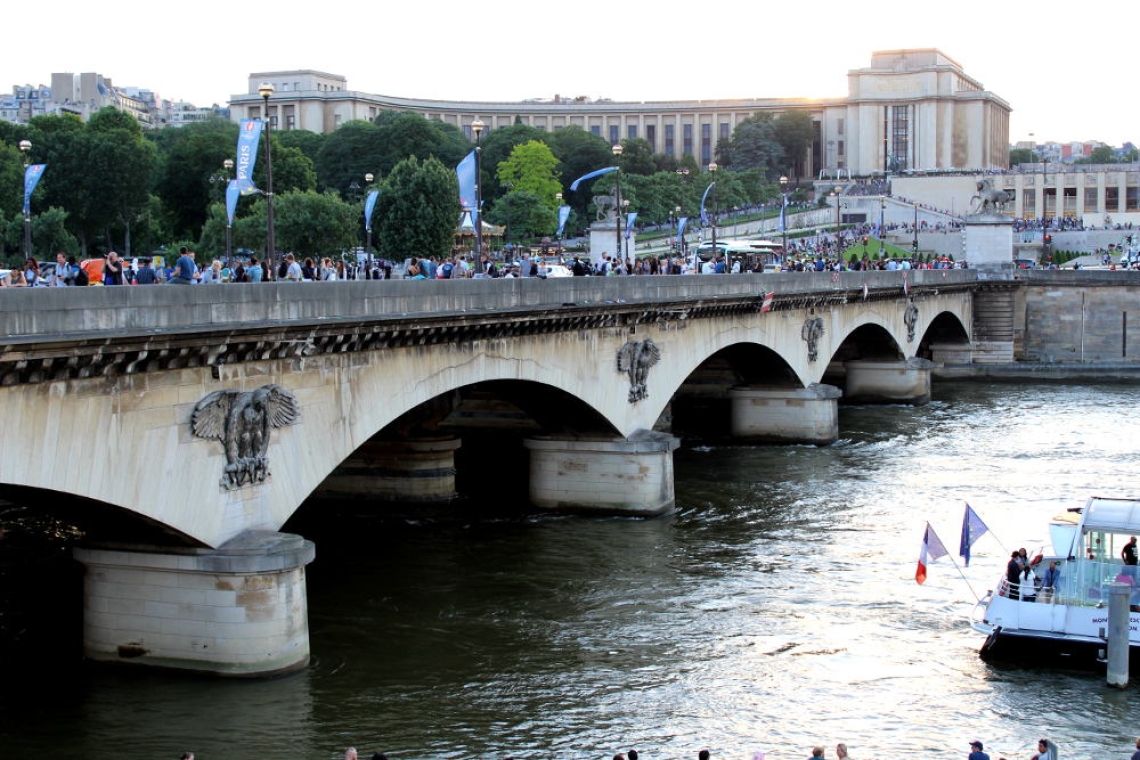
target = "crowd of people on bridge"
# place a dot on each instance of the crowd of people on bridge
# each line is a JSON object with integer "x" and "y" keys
{"x": 1046, "y": 750}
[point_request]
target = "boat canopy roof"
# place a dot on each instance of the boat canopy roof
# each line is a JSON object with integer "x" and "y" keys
{"x": 1112, "y": 515}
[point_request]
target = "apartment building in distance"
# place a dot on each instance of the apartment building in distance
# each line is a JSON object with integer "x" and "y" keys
{"x": 909, "y": 109}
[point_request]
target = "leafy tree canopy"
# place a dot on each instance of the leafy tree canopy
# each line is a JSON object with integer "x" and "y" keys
{"x": 418, "y": 209}
{"x": 532, "y": 168}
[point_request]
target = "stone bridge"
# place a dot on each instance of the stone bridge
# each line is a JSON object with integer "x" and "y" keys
{"x": 184, "y": 426}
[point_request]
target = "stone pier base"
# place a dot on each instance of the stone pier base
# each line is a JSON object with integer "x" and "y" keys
{"x": 786, "y": 415}
{"x": 621, "y": 476}
{"x": 239, "y": 610}
{"x": 888, "y": 382}
{"x": 413, "y": 470}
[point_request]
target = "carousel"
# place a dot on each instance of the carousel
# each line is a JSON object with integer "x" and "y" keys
{"x": 465, "y": 236}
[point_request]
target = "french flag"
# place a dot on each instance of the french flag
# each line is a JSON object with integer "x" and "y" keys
{"x": 766, "y": 304}
{"x": 932, "y": 549}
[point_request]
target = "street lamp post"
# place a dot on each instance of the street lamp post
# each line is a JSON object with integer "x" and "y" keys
{"x": 784, "y": 212}
{"x": 882, "y": 232}
{"x": 625, "y": 254}
{"x": 558, "y": 203}
{"x": 368, "y": 227}
{"x": 477, "y": 217}
{"x": 265, "y": 90}
{"x": 25, "y": 146}
{"x": 838, "y": 221}
{"x": 617, "y": 150}
{"x": 222, "y": 178}
{"x": 914, "y": 245}
{"x": 712, "y": 218}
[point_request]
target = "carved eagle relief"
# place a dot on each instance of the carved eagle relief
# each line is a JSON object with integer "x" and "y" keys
{"x": 241, "y": 420}
{"x": 635, "y": 358}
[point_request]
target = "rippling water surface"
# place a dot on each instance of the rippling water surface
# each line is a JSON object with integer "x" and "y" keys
{"x": 776, "y": 610}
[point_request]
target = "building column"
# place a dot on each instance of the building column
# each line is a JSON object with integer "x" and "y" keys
{"x": 238, "y": 610}
{"x": 407, "y": 470}
{"x": 618, "y": 476}
{"x": 888, "y": 382}
{"x": 786, "y": 415}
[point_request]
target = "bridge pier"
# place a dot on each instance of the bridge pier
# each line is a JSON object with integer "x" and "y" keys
{"x": 888, "y": 382}
{"x": 786, "y": 415}
{"x": 238, "y": 610}
{"x": 621, "y": 476}
{"x": 407, "y": 470}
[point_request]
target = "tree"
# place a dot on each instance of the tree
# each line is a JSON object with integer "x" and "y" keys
{"x": 795, "y": 132}
{"x": 1022, "y": 156}
{"x": 637, "y": 157}
{"x": 123, "y": 164}
{"x": 754, "y": 145}
{"x": 525, "y": 214}
{"x": 348, "y": 154}
{"x": 1102, "y": 154}
{"x": 188, "y": 157}
{"x": 402, "y": 134}
{"x": 579, "y": 152}
{"x": 531, "y": 168}
{"x": 496, "y": 145}
{"x": 309, "y": 143}
{"x": 419, "y": 204}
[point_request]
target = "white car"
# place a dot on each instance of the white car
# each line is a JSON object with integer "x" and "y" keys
{"x": 554, "y": 270}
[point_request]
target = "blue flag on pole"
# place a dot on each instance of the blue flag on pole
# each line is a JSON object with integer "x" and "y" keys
{"x": 681, "y": 226}
{"x": 972, "y": 529}
{"x": 248, "y": 139}
{"x": 465, "y": 173}
{"x": 31, "y": 178}
{"x": 784, "y": 215}
{"x": 369, "y": 207}
{"x": 704, "y": 216}
{"x": 630, "y": 218}
{"x": 591, "y": 175}
{"x": 563, "y": 215}
{"x": 233, "y": 191}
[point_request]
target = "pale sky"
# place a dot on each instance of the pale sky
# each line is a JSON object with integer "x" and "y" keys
{"x": 1064, "y": 71}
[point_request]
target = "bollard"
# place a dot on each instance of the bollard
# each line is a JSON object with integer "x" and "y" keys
{"x": 1118, "y": 603}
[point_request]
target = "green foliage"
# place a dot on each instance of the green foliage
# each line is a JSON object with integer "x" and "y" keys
{"x": 579, "y": 152}
{"x": 532, "y": 168}
{"x": 637, "y": 157}
{"x": 348, "y": 154}
{"x": 755, "y": 145}
{"x": 189, "y": 156}
{"x": 418, "y": 209}
{"x": 795, "y": 132}
{"x": 495, "y": 147}
{"x": 1022, "y": 156}
{"x": 525, "y": 214}
{"x": 309, "y": 143}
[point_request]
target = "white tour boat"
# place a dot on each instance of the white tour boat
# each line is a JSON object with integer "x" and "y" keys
{"x": 1069, "y": 620}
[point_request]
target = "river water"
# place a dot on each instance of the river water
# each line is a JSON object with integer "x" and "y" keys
{"x": 776, "y": 610}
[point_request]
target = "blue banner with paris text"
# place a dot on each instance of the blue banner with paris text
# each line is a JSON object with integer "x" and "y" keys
{"x": 31, "y": 178}
{"x": 630, "y": 219}
{"x": 681, "y": 226}
{"x": 249, "y": 137}
{"x": 563, "y": 215}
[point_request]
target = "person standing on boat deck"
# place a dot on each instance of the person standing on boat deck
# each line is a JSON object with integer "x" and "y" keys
{"x": 1050, "y": 581}
{"x": 976, "y": 752}
{"x": 1128, "y": 553}
{"x": 1013, "y": 576}
{"x": 1136, "y": 754}
{"x": 816, "y": 752}
{"x": 1046, "y": 750}
{"x": 1028, "y": 584}
{"x": 841, "y": 752}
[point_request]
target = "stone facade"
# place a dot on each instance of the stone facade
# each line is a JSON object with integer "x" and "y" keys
{"x": 916, "y": 107}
